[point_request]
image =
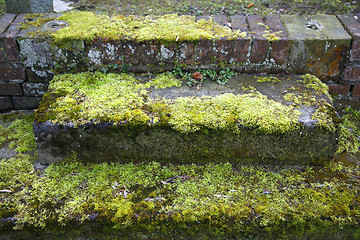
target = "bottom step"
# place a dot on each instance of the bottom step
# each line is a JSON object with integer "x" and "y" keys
{"x": 119, "y": 117}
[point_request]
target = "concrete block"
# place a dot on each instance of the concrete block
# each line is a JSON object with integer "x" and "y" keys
{"x": 319, "y": 45}
{"x": 352, "y": 25}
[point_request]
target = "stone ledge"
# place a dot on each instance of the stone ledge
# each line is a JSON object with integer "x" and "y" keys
{"x": 181, "y": 124}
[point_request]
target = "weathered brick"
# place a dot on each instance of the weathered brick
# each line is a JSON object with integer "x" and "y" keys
{"x": 356, "y": 91}
{"x": 5, "y": 21}
{"x": 5, "y": 103}
{"x": 353, "y": 27}
{"x": 221, "y": 19}
{"x": 11, "y": 72}
{"x": 168, "y": 55}
{"x": 239, "y": 22}
{"x": 352, "y": 73}
{"x": 241, "y": 50}
{"x": 34, "y": 89}
{"x": 222, "y": 51}
{"x": 100, "y": 53}
{"x": 8, "y": 40}
{"x": 186, "y": 52}
{"x": 339, "y": 89}
{"x": 130, "y": 50}
{"x": 260, "y": 45}
{"x": 10, "y": 89}
{"x": 204, "y": 51}
{"x": 21, "y": 103}
{"x": 280, "y": 48}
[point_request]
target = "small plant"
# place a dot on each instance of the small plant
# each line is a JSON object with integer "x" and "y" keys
{"x": 197, "y": 78}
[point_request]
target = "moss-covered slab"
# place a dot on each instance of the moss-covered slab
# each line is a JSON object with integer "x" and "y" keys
{"x": 119, "y": 117}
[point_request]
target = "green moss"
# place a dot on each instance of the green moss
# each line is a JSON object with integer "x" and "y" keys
{"x": 226, "y": 111}
{"x": 165, "y": 80}
{"x": 219, "y": 197}
{"x": 167, "y": 28}
{"x": 313, "y": 82}
{"x": 268, "y": 79}
{"x": 119, "y": 98}
{"x": 349, "y": 133}
{"x": 18, "y": 135}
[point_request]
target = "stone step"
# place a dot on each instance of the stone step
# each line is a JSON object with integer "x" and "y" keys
{"x": 34, "y": 48}
{"x": 119, "y": 117}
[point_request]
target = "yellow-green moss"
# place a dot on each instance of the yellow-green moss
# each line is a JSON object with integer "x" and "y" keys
{"x": 313, "y": 82}
{"x": 119, "y": 98}
{"x": 268, "y": 79}
{"x": 323, "y": 117}
{"x": 349, "y": 133}
{"x": 226, "y": 111}
{"x": 167, "y": 28}
{"x": 165, "y": 80}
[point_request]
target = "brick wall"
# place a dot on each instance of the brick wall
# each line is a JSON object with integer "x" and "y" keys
{"x": 27, "y": 64}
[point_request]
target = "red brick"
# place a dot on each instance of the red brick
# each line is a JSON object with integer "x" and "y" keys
{"x": 241, "y": 50}
{"x": 168, "y": 55}
{"x": 339, "y": 89}
{"x": 10, "y": 89}
{"x": 149, "y": 53}
{"x": 352, "y": 73}
{"x": 11, "y": 72}
{"x": 260, "y": 45}
{"x": 8, "y": 40}
{"x": 186, "y": 52}
{"x": 356, "y": 91}
{"x": 222, "y": 51}
{"x": 204, "y": 51}
{"x": 353, "y": 27}
{"x": 279, "y": 49}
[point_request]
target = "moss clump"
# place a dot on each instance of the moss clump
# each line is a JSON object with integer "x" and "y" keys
{"x": 165, "y": 80}
{"x": 349, "y": 133}
{"x": 226, "y": 111}
{"x": 120, "y": 98}
{"x": 19, "y": 134}
{"x": 313, "y": 82}
{"x": 268, "y": 79}
{"x": 167, "y": 28}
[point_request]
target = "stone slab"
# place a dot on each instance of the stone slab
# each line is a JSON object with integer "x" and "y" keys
{"x": 319, "y": 45}
{"x": 126, "y": 140}
{"x": 29, "y": 6}
{"x": 10, "y": 89}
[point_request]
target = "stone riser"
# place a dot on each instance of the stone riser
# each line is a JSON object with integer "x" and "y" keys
{"x": 26, "y": 63}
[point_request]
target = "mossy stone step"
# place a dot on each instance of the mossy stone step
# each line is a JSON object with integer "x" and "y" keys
{"x": 119, "y": 117}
